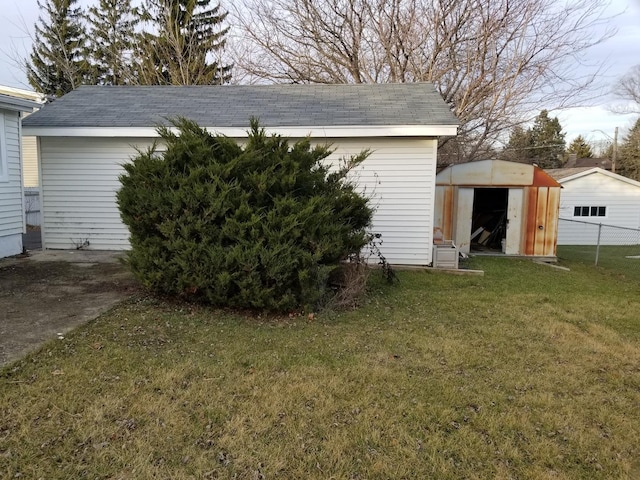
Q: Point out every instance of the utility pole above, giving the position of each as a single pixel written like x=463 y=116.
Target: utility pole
x=614 y=154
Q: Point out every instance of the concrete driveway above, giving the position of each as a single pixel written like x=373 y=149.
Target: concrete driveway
x=51 y=292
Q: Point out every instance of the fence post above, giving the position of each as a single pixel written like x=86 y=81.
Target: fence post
x=598 y=245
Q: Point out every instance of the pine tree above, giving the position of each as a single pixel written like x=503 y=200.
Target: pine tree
x=547 y=141
x=111 y=41
x=580 y=147
x=189 y=35
x=57 y=63
x=519 y=147
x=628 y=162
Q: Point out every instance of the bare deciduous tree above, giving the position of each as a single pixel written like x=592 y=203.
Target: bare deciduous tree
x=627 y=88
x=494 y=61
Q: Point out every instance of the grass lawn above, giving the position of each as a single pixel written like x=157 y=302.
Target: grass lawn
x=612 y=258
x=527 y=372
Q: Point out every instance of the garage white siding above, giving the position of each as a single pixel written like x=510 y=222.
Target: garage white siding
x=621 y=199
x=80 y=180
x=78 y=191
x=11 y=212
x=400 y=175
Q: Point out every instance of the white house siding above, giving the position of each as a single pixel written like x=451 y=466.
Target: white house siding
x=30 y=162
x=623 y=209
x=11 y=216
x=80 y=179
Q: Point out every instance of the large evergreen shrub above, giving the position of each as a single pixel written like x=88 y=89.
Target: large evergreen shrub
x=256 y=226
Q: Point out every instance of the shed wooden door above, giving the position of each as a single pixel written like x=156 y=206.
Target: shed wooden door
x=514 y=221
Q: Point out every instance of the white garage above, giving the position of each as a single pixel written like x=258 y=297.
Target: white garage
x=85 y=137
x=593 y=196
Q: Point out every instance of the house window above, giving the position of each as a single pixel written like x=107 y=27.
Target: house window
x=4 y=168
x=589 y=211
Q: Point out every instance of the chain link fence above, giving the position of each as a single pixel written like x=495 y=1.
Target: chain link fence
x=600 y=244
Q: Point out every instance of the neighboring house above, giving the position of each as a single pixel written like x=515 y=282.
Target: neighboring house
x=86 y=136
x=494 y=206
x=12 y=221
x=30 y=175
x=596 y=196
x=591 y=162
x=29 y=145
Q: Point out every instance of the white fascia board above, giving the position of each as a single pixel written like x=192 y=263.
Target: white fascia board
x=576 y=175
x=21 y=93
x=241 y=132
x=603 y=172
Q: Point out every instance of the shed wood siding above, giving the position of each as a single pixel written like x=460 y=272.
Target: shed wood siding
x=80 y=180
x=11 y=215
x=622 y=200
x=542 y=225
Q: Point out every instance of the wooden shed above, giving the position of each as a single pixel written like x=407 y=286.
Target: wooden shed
x=493 y=206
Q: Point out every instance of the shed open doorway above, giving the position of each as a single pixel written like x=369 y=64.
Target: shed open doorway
x=489 y=219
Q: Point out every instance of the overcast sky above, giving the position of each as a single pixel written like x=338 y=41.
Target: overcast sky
x=620 y=53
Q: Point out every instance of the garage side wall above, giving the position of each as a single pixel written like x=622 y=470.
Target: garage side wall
x=399 y=175
x=80 y=181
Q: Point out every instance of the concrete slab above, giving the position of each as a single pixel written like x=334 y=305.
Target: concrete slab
x=49 y=293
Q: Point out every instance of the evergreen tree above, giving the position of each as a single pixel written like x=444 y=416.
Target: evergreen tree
x=580 y=147
x=628 y=162
x=186 y=39
x=57 y=64
x=262 y=225
x=111 y=41
x=547 y=141
x=519 y=147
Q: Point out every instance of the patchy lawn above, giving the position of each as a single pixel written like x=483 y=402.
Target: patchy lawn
x=527 y=372
x=618 y=260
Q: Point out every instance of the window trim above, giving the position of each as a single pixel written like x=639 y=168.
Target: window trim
x=4 y=161
x=581 y=211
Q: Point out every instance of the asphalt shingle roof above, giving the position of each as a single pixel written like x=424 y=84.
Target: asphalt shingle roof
x=233 y=105
x=560 y=173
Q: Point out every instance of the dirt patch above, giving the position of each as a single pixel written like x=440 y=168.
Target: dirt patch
x=47 y=295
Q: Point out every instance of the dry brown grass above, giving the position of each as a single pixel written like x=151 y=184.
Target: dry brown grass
x=527 y=372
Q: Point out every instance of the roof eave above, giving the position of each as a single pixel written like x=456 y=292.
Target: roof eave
x=17 y=104
x=607 y=173
x=333 y=131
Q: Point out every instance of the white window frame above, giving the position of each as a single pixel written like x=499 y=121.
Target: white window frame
x=4 y=161
x=591 y=207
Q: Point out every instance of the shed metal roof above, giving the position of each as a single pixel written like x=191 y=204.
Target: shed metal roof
x=492 y=173
x=406 y=104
